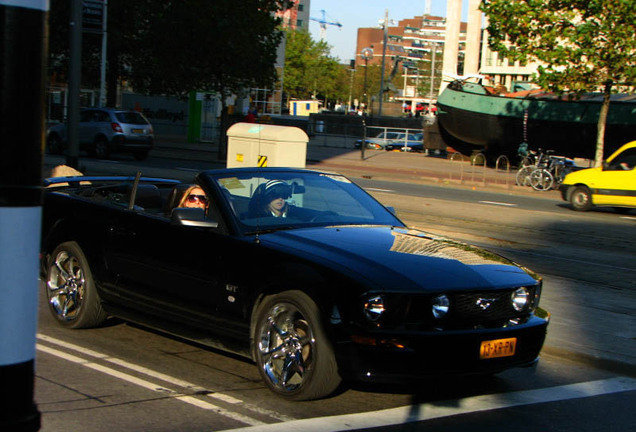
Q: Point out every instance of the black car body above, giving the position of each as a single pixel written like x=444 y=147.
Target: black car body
x=337 y=289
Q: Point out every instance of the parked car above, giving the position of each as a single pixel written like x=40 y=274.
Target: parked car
x=339 y=288
x=380 y=140
x=407 y=143
x=611 y=185
x=103 y=131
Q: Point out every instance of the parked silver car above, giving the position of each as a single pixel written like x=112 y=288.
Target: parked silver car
x=103 y=131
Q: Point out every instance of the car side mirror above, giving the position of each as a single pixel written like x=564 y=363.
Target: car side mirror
x=605 y=166
x=192 y=217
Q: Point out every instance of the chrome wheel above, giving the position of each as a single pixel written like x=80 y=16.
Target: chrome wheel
x=291 y=349
x=66 y=286
x=70 y=290
x=286 y=346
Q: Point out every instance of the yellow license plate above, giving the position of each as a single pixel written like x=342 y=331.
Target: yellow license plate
x=497 y=348
x=139 y=131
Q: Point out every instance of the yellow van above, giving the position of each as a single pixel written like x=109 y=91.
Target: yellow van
x=612 y=185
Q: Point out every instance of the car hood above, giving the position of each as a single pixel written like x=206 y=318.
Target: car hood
x=400 y=259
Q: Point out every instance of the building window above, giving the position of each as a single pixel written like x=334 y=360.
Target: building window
x=299 y=23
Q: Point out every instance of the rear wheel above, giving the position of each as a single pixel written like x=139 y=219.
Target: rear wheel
x=70 y=289
x=100 y=148
x=581 y=198
x=541 y=180
x=523 y=175
x=293 y=354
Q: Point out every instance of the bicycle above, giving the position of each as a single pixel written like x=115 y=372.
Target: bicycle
x=552 y=174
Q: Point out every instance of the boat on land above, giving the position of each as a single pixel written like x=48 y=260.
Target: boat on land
x=474 y=117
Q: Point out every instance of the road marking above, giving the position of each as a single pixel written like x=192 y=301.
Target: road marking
x=423 y=412
x=148 y=385
x=379 y=190
x=154 y=374
x=498 y=203
x=628 y=217
x=188 y=169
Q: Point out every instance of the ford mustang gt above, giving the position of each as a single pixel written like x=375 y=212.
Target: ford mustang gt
x=301 y=271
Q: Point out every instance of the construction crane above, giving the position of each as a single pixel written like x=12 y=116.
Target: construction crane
x=323 y=24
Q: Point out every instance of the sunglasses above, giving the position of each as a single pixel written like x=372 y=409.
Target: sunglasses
x=197 y=198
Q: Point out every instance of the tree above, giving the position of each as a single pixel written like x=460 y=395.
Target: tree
x=175 y=47
x=310 y=70
x=582 y=45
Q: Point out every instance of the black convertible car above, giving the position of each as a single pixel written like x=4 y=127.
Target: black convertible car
x=301 y=271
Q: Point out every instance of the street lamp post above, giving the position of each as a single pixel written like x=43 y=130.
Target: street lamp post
x=385 y=26
x=366 y=54
x=430 y=97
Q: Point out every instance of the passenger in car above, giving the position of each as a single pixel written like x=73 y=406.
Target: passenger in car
x=194 y=197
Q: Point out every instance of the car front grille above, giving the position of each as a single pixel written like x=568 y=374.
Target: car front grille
x=468 y=310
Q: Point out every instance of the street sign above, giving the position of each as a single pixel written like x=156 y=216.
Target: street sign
x=92 y=16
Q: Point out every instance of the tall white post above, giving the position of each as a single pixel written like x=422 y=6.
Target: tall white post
x=451 y=40
x=473 y=37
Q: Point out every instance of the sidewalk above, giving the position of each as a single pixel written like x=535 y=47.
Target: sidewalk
x=377 y=164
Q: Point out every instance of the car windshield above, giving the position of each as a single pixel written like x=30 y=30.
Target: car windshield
x=266 y=201
x=131 y=117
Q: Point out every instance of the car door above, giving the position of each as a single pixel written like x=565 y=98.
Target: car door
x=86 y=126
x=177 y=272
x=616 y=183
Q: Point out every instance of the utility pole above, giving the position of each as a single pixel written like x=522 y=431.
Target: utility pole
x=385 y=26
x=23 y=52
x=74 y=82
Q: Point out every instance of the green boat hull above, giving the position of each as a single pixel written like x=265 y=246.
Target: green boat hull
x=470 y=118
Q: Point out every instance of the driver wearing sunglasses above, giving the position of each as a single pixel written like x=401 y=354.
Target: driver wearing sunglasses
x=194 y=198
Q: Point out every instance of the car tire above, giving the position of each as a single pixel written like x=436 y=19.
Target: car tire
x=581 y=198
x=291 y=349
x=72 y=297
x=54 y=144
x=100 y=148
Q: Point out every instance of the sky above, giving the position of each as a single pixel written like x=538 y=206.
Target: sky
x=353 y=14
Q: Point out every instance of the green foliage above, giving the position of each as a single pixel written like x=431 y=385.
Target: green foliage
x=582 y=44
x=175 y=47
x=310 y=70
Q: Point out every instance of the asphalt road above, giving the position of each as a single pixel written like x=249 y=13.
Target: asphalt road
x=122 y=377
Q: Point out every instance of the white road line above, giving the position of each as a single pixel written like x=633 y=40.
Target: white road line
x=379 y=190
x=188 y=169
x=149 y=385
x=163 y=377
x=498 y=203
x=628 y=217
x=423 y=412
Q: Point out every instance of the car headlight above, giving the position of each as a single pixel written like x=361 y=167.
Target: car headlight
x=374 y=308
x=520 y=299
x=440 y=306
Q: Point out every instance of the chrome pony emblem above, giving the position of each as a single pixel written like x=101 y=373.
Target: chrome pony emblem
x=484 y=303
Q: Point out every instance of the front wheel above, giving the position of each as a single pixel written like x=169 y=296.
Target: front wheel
x=291 y=349
x=581 y=198
x=541 y=180
x=70 y=289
